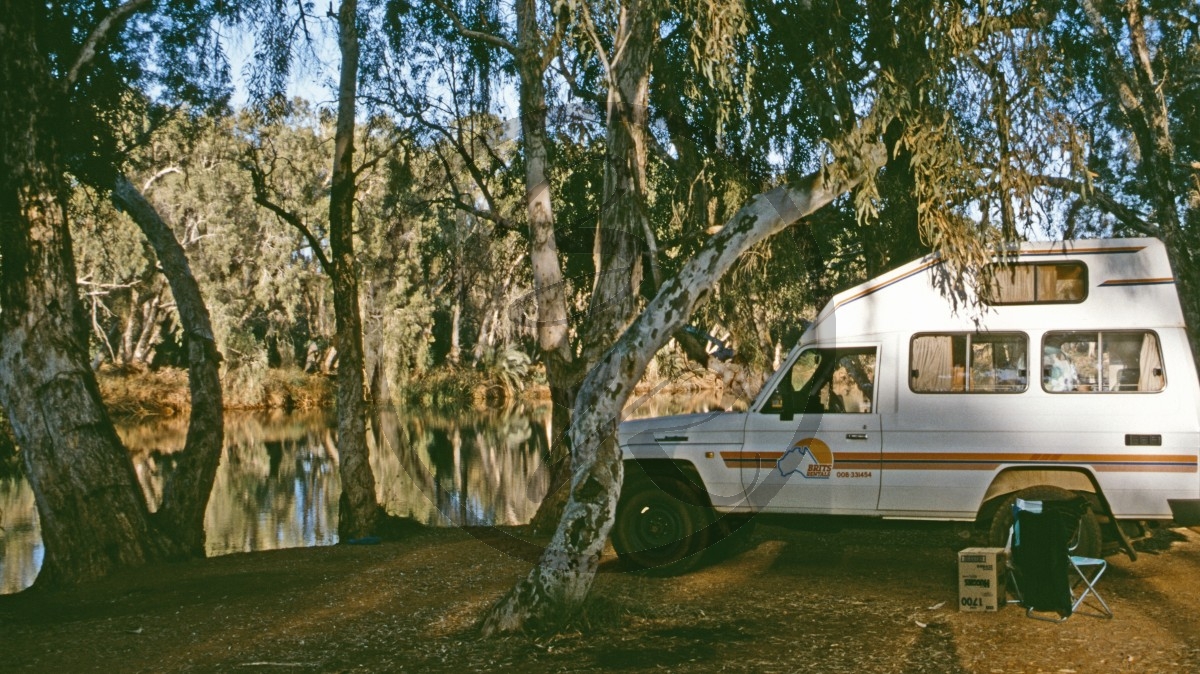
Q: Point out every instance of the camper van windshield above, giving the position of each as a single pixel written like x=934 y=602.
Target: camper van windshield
x=827 y=380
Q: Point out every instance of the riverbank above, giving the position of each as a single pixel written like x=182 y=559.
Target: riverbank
x=869 y=600
x=139 y=393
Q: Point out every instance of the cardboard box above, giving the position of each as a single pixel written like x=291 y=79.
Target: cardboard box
x=982 y=574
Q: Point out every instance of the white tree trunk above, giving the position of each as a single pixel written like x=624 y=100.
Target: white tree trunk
x=558 y=585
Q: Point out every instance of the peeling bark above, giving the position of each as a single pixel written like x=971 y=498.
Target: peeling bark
x=558 y=585
x=619 y=245
x=624 y=220
x=93 y=516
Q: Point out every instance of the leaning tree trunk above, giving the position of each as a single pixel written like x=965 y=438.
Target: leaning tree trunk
x=359 y=509
x=558 y=585
x=187 y=489
x=93 y=516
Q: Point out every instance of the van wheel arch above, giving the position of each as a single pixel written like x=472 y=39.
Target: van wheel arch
x=1091 y=539
x=664 y=472
x=1012 y=480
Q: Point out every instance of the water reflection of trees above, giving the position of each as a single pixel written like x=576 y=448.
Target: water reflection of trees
x=20 y=539
x=477 y=468
x=278 y=486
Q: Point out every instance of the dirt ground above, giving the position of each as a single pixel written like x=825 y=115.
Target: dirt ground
x=862 y=600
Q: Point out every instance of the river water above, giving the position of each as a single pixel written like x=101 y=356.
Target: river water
x=277 y=485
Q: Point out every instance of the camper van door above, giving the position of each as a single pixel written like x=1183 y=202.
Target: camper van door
x=815 y=443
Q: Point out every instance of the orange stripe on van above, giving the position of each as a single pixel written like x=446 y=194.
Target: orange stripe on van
x=739 y=459
x=841 y=459
x=1106 y=462
x=880 y=286
x=1167 y=463
x=1079 y=250
x=1137 y=282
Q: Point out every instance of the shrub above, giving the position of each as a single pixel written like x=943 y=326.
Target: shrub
x=144 y=393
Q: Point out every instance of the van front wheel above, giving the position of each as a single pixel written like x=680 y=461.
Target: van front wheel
x=1090 y=539
x=661 y=525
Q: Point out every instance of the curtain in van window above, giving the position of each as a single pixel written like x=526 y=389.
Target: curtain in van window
x=1151 y=372
x=1013 y=285
x=1047 y=282
x=931 y=363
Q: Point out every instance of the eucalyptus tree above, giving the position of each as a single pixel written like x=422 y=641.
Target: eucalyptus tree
x=526 y=46
x=186 y=491
x=622 y=36
x=71 y=69
x=359 y=511
x=331 y=238
x=533 y=38
x=1132 y=71
x=948 y=186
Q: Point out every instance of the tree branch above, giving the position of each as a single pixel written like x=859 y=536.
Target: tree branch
x=499 y=221
x=1107 y=43
x=88 y=52
x=371 y=163
x=463 y=152
x=572 y=82
x=589 y=27
x=552 y=47
x=1128 y=216
x=461 y=27
x=150 y=182
x=262 y=198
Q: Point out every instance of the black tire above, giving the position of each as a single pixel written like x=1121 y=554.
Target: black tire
x=661 y=525
x=1091 y=541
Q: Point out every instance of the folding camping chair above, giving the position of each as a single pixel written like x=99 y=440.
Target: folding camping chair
x=1043 y=536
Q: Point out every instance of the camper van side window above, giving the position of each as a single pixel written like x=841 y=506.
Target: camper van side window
x=1102 y=362
x=1039 y=283
x=994 y=362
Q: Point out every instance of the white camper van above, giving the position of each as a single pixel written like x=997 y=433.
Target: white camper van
x=1071 y=373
